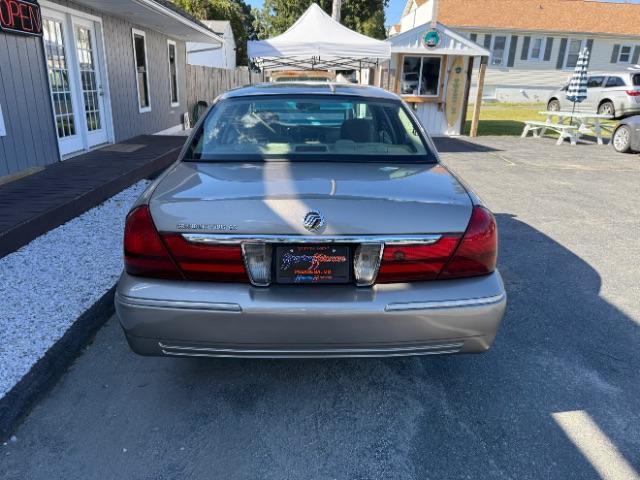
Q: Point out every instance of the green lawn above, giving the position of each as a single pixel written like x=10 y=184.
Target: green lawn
x=505 y=118
x=508 y=118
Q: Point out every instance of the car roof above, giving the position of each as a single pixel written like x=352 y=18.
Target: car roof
x=617 y=73
x=310 y=88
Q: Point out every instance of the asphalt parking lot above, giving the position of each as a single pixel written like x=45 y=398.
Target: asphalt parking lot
x=556 y=398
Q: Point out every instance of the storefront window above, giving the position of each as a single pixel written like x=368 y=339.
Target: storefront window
x=420 y=76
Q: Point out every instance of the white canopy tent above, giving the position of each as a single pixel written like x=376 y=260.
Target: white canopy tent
x=317 y=42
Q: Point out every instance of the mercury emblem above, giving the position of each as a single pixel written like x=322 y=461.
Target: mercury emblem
x=314 y=221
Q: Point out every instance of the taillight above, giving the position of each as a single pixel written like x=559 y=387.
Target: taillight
x=477 y=253
x=411 y=263
x=450 y=257
x=170 y=256
x=144 y=253
x=633 y=93
x=215 y=263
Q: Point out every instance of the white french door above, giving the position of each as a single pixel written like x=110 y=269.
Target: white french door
x=76 y=81
x=91 y=83
x=61 y=74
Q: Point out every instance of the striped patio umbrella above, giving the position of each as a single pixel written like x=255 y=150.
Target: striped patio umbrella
x=577 y=91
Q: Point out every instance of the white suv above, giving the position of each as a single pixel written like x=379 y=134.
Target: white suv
x=609 y=93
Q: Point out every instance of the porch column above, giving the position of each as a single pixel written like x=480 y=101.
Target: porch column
x=478 y=104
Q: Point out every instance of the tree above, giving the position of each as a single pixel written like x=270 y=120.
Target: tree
x=237 y=12
x=363 y=16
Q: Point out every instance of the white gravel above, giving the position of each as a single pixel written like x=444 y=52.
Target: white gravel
x=46 y=285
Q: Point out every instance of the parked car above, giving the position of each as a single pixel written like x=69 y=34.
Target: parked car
x=612 y=93
x=309 y=220
x=626 y=136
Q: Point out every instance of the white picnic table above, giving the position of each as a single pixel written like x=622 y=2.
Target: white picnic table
x=570 y=125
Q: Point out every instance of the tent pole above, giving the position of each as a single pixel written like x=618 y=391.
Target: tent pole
x=335 y=10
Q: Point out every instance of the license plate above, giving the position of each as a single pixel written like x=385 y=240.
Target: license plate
x=315 y=264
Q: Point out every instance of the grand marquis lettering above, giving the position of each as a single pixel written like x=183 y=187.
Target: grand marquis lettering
x=207 y=226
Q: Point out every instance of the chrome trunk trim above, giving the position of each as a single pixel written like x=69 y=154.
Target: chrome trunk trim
x=216 y=238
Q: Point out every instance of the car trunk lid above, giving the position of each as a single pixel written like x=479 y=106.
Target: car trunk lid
x=274 y=197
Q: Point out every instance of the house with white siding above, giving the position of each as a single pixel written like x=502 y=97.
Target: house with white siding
x=534 y=44
x=211 y=54
x=76 y=75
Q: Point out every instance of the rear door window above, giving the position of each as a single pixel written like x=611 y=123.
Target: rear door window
x=636 y=80
x=615 y=82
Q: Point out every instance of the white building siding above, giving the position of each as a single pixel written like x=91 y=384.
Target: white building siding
x=208 y=55
x=415 y=17
x=531 y=80
x=214 y=55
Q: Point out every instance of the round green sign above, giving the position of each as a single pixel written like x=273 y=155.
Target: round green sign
x=431 y=39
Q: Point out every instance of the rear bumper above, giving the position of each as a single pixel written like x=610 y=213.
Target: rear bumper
x=235 y=320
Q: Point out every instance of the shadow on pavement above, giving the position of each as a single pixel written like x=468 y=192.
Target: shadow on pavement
x=561 y=348
x=458 y=145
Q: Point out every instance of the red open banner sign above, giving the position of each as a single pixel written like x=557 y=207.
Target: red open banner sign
x=20 y=16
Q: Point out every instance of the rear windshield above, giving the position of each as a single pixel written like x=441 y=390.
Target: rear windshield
x=318 y=127
x=636 y=79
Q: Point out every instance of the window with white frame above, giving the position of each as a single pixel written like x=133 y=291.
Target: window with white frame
x=498 y=50
x=142 y=70
x=421 y=76
x=536 y=48
x=173 y=72
x=625 y=54
x=573 y=52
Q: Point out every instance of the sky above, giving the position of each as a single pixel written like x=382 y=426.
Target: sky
x=392 y=12
x=394 y=9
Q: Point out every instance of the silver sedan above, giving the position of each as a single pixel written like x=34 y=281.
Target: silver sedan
x=309 y=221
